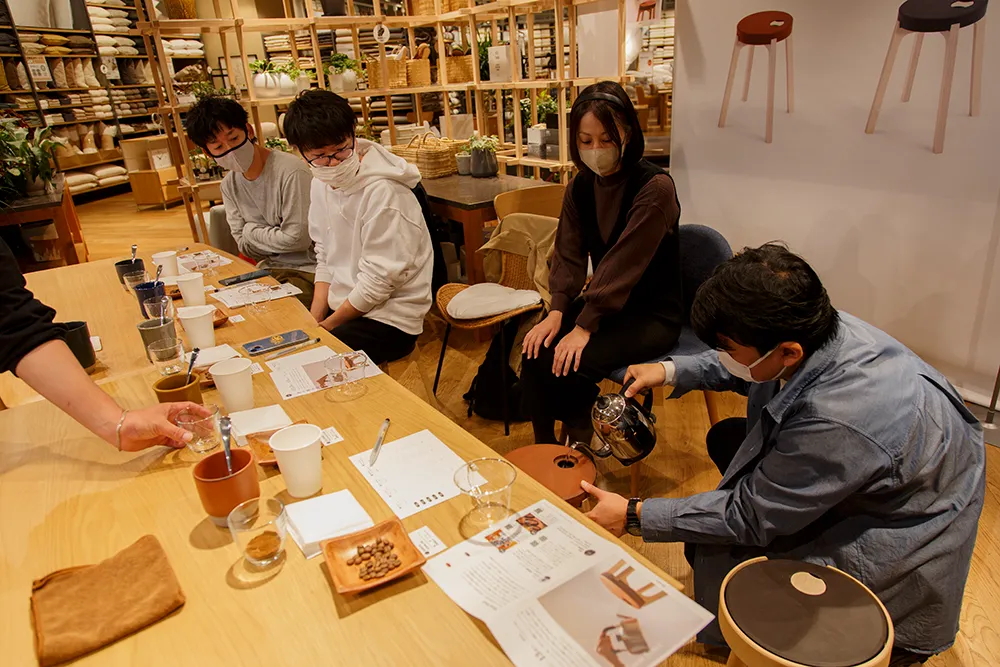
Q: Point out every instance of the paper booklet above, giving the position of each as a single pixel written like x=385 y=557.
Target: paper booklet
x=305 y=372
x=235 y=297
x=556 y=594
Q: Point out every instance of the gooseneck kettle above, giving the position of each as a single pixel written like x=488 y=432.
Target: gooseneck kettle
x=624 y=426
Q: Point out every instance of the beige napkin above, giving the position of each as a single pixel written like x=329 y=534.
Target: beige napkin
x=81 y=609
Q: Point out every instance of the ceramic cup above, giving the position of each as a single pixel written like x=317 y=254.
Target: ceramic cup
x=148 y=290
x=300 y=459
x=192 y=286
x=197 y=321
x=234 y=380
x=78 y=340
x=221 y=491
x=168 y=260
x=154 y=330
x=175 y=388
x=128 y=266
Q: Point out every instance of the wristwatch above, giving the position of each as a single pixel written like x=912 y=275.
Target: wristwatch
x=632 y=524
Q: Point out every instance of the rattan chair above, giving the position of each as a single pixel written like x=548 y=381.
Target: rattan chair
x=513 y=274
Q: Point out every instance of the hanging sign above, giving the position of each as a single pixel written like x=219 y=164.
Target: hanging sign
x=381 y=33
x=38 y=68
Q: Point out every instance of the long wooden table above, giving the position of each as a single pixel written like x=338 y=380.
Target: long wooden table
x=67 y=498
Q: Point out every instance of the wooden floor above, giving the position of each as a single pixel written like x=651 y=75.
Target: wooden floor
x=678 y=466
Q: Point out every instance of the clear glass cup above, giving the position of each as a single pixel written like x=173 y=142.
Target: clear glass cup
x=256 y=296
x=205 y=429
x=259 y=528
x=135 y=278
x=488 y=482
x=344 y=373
x=159 y=308
x=168 y=356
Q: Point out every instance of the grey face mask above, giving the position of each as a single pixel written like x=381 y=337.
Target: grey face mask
x=238 y=159
x=601 y=161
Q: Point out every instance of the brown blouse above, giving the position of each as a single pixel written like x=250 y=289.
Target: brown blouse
x=652 y=216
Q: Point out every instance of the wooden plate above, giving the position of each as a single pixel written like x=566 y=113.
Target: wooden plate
x=173 y=291
x=258 y=442
x=219 y=318
x=339 y=549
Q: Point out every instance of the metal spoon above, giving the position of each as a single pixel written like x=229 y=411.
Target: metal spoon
x=194 y=355
x=134 y=249
x=159 y=270
x=224 y=428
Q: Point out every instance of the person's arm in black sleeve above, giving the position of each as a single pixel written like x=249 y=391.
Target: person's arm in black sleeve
x=25 y=322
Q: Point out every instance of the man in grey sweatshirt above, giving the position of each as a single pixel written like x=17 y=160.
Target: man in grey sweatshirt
x=266 y=193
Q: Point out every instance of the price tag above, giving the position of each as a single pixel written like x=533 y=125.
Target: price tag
x=38 y=68
x=381 y=33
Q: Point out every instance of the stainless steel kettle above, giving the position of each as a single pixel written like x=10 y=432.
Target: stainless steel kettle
x=624 y=426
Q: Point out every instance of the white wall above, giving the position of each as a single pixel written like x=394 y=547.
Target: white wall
x=902 y=238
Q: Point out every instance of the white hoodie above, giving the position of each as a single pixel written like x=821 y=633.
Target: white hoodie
x=372 y=244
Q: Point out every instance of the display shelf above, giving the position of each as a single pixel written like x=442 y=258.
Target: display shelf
x=136 y=115
x=61 y=31
x=125 y=8
x=178 y=27
x=72 y=164
x=99 y=188
x=68 y=90
x=61 y=123
x=143 y=56
x=126 y=86
x=19 y=91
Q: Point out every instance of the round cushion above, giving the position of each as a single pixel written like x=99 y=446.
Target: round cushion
x=559 y=469
x=806 y=613
x=939 y=15
x=762 y=27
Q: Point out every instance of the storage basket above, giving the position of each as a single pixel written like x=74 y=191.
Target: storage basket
x=396 y=70
x=418 y=73
x=435 y=158
x=180 y=9
x=459 y=69
x=453 y=5
x=423 y=7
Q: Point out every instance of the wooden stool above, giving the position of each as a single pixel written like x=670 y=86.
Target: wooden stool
x=646 y=7
x=786 y=613
x=946 y=17
x=762 y=29
x=559 y=469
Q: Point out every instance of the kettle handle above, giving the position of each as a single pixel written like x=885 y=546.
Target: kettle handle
x=648 y=413
x=628 y=383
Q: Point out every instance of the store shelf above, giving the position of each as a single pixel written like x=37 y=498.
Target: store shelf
x=119 y=33
x=178 y=26
x=143 y=56
x=24 y=91
x=68 y=90
x=78 y=121
x=61 y=31
x=126 y=86
x=136 y=115
x=100 y=187
x=126 y=8
x=90 y=163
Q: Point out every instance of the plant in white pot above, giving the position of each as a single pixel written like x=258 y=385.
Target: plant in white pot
x=265 y=80
x=344 y=72
x=288 y=74
x=484 y=156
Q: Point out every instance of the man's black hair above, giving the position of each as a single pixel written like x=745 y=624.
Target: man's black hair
x=211 y=114
x=318 y=118
x=609 y=102
x=762 y=297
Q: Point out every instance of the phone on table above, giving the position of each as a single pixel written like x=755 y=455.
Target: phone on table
x=275 y=342
x=244 y=277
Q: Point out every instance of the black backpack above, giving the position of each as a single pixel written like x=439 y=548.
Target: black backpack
x=439 y=233
x=485 y=395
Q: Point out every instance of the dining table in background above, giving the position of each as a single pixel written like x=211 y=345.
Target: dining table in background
x=56 y=208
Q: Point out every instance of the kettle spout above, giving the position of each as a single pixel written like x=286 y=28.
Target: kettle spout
x=601 y=453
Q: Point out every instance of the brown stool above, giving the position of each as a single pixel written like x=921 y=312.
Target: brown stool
x=646 y=7
x=616 y=581
x=786 y=613
x=559 y=469
x=762 y=29
x=947 y=18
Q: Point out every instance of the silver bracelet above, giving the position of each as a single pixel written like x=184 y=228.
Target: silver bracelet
x=118 y=430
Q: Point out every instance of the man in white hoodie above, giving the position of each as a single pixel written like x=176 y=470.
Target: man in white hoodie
x=373 y=249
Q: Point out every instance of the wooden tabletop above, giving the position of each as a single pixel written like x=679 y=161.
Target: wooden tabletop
x=67 y=498
x=471 y=193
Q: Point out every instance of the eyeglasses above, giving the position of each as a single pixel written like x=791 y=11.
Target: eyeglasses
x=333 y=158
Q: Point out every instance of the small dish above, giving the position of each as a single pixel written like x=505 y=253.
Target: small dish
x=173 y=291
x=346 y=578
x=262 y=451
x=219 y=318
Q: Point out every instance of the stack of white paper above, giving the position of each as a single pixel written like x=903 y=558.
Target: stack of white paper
x=317 y=519
x=258 y=419
x=212 y=355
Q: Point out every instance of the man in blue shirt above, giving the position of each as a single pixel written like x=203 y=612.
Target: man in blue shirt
x=854 y=452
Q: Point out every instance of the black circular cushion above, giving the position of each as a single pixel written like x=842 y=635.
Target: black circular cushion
x=940 y=15
x=757 y=29
x=842 y=627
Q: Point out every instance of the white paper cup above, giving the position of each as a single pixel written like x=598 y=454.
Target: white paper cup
x=168 y=260
x=300 y=460
x=197 y=321
x=192 y=286
x=234 y=380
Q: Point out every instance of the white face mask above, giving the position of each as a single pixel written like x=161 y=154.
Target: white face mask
x=238 y=159
x=339 y=176
x=601 y=161
x=742 y=371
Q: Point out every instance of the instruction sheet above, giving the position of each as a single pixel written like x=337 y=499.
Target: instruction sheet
x=306 y=372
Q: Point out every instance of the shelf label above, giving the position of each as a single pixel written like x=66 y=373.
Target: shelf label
x=38 y=68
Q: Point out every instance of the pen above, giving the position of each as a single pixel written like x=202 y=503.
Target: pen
x=293 y=348
x=378 y=441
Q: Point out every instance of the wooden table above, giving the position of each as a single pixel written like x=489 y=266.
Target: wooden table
x=56 y=207
x=67 y=498
x=469 y=201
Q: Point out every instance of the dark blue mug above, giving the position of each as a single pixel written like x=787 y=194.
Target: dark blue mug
x=128 y=266
x=148 y=290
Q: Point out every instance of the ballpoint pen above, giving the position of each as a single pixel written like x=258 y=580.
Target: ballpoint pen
x=378 y=441
x=293 y=348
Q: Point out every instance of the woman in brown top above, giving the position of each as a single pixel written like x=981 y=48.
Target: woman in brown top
x=622 y=213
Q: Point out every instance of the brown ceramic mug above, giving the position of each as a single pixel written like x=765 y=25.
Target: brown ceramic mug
x=220 y=491
x=174 y=389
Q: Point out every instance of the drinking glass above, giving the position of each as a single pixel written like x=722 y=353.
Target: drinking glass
x=159 y=308
x=135 y=278
x=168 y=355
x=488 y=482
x=259 y=528
x=205 y=429
x=256 y=296
x=344 y=373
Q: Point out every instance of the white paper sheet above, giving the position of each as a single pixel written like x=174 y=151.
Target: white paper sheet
x=212 y=355
x=412 y=473
x=305 y=372
x=258 y=419
x=96 y=342
x=189 y=262
x=314 y=520
x=234 y=298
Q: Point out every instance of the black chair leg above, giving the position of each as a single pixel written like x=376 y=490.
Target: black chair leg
x=444 y=346
x=503 y=376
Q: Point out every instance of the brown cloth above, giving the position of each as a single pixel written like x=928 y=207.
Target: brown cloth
x=82 y=609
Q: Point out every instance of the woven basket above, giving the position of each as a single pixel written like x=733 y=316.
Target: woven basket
x=423 y=7
x=459 y=69
x=396 y=70
x=180 y=9
x=453 y=5
x=418 y=73
x=435 y=158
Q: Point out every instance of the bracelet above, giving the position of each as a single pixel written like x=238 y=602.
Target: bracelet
x=118 y=430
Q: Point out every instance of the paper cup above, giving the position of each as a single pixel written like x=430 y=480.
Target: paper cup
x=192 y=286
x=168 y=260
x=234 y=380
x=297 y=449
x=197 y=321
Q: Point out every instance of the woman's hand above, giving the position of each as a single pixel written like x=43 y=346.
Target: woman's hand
x=569 y=350
x=154 y=425
x=542 y=333
x=645 y=376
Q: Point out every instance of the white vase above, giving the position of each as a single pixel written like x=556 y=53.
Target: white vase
x=266 y=85
x=302 y=83
x=350 y=80
x=286 y=87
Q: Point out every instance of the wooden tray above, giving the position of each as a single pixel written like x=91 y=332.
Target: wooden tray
x=219 y=318
x=339 y=549
x=173 y=291
x=262 y=451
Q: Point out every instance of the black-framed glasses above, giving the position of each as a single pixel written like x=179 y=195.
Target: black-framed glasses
x=324 y=160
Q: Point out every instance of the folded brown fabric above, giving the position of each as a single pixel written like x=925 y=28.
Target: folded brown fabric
x=82 y=609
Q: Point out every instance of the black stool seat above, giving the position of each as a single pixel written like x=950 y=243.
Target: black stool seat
x=841 y=627
x=940 y=15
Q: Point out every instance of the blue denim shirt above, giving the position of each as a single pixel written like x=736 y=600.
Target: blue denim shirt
x=866 y=460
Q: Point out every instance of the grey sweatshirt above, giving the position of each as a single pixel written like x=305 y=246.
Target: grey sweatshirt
x=269 y=215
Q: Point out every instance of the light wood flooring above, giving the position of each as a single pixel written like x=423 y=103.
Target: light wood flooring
x=678 y=466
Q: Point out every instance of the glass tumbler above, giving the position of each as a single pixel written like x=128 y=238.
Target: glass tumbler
x=168 y=355
x=344 y=373
x=256 y=296
x=159 y=308
x=488 y=482
x=205 y=429
x=135 y=278
x=259 y=528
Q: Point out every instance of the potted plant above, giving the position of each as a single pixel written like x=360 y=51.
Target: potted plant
x=265 y=79
x=25 y=159
x=484 y=156
x=344 y=73
x=288 y=74
x=464 y=160
x=277 y=144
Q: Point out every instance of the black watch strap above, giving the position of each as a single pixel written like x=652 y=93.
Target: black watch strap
x=632 y=524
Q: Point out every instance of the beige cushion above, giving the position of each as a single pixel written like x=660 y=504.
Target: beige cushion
x=79 y=178
x=106 y=171
x=485 y=299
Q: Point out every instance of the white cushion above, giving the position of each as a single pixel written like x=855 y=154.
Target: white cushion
x=121 y=21
x=106 y=40
x=485 y=299
x=100 y=21
x=122 y=41
x=79 y=178
x=117 y=13
x=106 y=171
x=112 y=180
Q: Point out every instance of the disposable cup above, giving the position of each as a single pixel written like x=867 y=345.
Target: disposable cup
x=300 y=460
x=234 y=380
x=197 y=321
x=168 y=260
x=192 y=286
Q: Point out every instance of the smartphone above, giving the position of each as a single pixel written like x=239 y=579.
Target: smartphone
x=275 y=342
x=244 y=277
